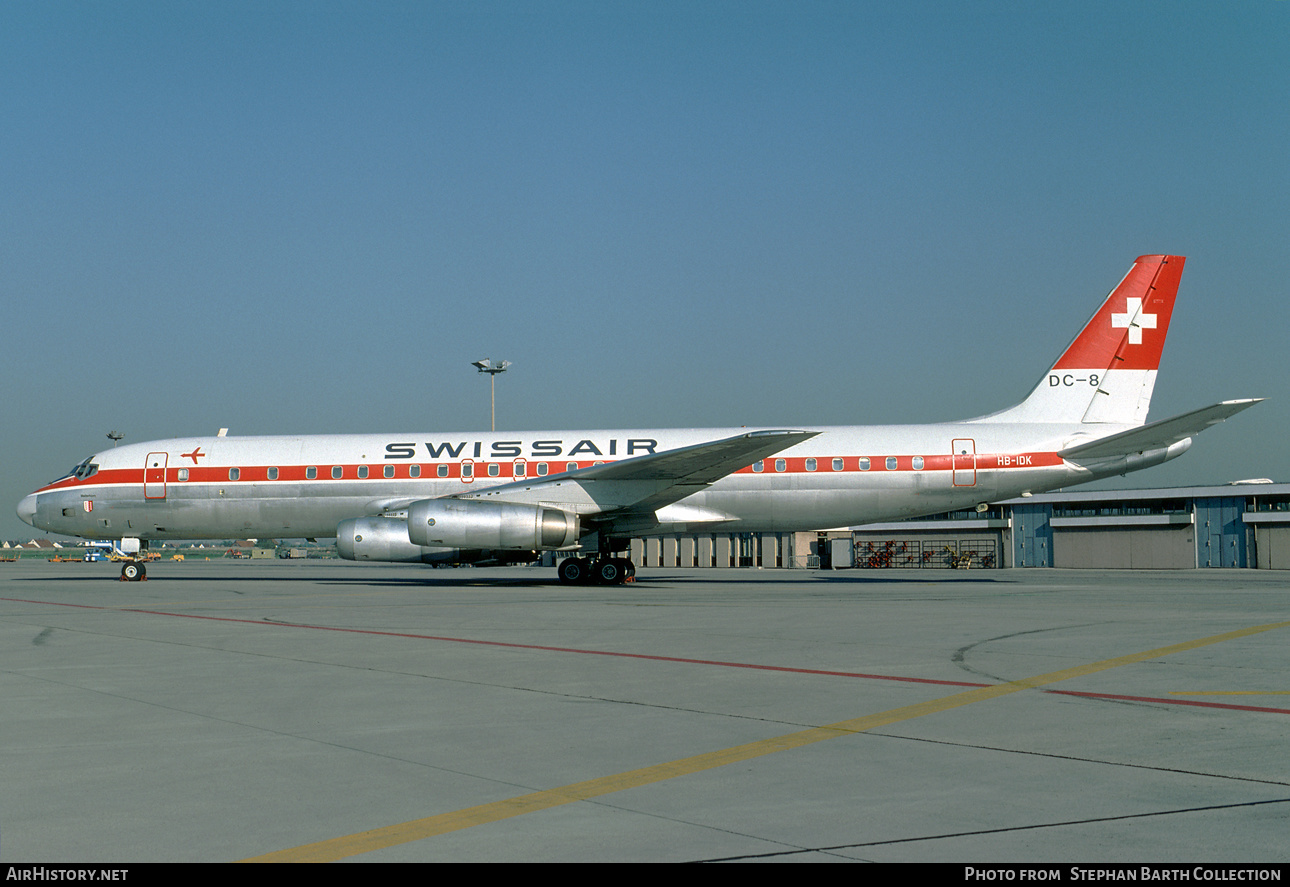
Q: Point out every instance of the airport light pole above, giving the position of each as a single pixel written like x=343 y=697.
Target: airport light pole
x=492 y=367
x=114 y=436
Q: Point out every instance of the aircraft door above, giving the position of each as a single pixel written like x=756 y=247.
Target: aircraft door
x=154 y=476
x=964 y=459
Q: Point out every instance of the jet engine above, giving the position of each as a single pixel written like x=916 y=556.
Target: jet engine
x=377 y=539
x=386 y=539
x=469 y=523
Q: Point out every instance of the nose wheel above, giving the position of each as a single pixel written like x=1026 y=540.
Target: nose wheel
x=133 y=571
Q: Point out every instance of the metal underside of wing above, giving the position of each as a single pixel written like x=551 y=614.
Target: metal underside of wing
x=632 y=490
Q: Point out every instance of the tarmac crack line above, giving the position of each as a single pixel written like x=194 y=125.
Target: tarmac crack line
x=401 y=833
x=960 y=655
x=1100 y=761
x=834 y=848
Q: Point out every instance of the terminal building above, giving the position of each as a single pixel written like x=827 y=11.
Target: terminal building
x=1245 y=524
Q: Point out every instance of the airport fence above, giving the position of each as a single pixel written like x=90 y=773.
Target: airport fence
x=915 y=554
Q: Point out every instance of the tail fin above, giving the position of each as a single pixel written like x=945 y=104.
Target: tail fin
x=1107 y=374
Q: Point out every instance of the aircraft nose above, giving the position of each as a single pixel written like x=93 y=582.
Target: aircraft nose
x=27 y=509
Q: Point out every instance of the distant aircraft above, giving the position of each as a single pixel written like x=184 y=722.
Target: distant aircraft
x=471 y=497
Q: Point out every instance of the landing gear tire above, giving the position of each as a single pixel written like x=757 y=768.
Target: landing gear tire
x=573 y=571
x=133 y=572
x=581 y=571
x=614 y=571
x=610 y=572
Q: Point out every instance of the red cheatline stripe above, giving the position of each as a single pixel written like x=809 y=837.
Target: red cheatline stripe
x=678 y=659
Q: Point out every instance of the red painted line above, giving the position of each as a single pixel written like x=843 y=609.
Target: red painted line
x=678 y=659
x=1228 y=705
x=430 y=637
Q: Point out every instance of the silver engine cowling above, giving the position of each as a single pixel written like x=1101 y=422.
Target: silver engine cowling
x=385 y=539
x=377 y=539
x=467 y=523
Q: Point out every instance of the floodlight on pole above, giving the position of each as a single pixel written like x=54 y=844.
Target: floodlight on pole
x=492 y=367
x=114 y=436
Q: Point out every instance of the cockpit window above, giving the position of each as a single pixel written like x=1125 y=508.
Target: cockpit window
x=88 y=468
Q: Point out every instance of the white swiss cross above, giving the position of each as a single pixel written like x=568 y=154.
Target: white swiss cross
x=1134 y=319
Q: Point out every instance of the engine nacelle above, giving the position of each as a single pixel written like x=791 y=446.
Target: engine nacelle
x=377 y=539
x=386 y=539
x=469 y=523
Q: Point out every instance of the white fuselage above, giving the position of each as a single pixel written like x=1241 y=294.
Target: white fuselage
x=222 y=487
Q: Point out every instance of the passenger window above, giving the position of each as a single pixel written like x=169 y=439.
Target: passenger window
x=337 y=472
x=780 y=464
x=389 y=471
x=571 y=466
x=918 y=463
x=362 y=471
x=494 y=469
x=837 y=464
x=234 y=473
x=864 y=463
x=467 y=469
x=414 y=471
x=891 y=463
x=442 y=471
x=541 y=469
x=810 y=464
x=759 y=466
x=311 y=472
x=273 y=474
x=183 y=474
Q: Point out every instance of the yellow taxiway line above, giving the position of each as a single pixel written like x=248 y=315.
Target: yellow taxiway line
x=392 y=835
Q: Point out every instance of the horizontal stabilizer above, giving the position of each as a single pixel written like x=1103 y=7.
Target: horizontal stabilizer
x=1159 y=435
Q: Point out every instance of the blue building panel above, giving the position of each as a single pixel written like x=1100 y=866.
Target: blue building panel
x=1220 y=532
x=1032 y=535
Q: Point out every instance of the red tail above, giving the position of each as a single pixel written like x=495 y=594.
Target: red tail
x=1107 y=374
x=1128 y=331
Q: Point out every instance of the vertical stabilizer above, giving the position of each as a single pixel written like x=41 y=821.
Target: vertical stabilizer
x=1107 y=374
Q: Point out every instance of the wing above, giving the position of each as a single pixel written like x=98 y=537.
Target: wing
x=1158 y=435
x=637 y=487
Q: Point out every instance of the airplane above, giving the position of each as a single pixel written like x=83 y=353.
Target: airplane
x=499 y=497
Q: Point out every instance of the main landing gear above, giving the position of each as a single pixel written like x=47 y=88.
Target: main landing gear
x=133 y=571
x=596 y=571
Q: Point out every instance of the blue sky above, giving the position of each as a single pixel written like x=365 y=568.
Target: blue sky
x=311 y=217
